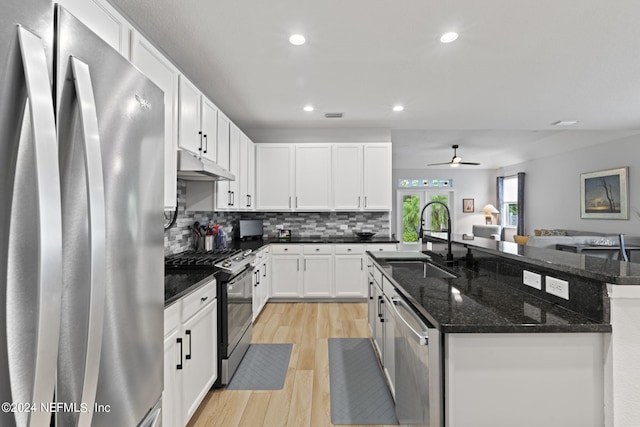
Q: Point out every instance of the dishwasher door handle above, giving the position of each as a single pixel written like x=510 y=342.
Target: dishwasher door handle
x=423 y=337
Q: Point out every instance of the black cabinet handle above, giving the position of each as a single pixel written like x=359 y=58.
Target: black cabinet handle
x=188 y=356
x=206 y=143
x=229 y=194
x=203 y=299
x=179 y=341
x=265 y=271
x=200 y=148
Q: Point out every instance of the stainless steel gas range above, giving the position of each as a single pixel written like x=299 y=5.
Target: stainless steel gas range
x=235 y=293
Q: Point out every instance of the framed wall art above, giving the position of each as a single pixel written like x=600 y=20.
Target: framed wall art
x=468 y=205
x=605 y=194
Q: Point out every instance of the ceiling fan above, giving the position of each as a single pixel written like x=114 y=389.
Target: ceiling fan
x=455 y=160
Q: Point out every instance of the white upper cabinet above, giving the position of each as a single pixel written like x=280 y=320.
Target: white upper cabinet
x=347 y=162
x=313 y=177
x=209 y=129
x=222 y=142
x=235 y=136
x=190 y=134
x=246 y=199
x=275 y=171
x=324 y=177
x=377 y=177
x=251 y=175
x=164 y=74
x=103 y=20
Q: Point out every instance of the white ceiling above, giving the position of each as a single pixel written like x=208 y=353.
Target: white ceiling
x=517 y=67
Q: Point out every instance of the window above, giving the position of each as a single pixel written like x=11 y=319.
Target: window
x=510 y=206
x=410 y=204
x=410 y=218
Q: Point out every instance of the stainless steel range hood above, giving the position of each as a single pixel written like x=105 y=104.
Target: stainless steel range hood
x=190 y=168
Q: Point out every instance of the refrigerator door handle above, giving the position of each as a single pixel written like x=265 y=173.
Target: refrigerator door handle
x=97 y=228
x=33 y=301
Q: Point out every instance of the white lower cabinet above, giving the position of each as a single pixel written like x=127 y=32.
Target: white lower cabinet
x=286 y=278
x=261 y=285
x=321 y=270
x=317 y=275
x=190 y=351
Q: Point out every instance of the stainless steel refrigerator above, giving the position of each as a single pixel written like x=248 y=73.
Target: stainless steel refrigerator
x=81 y=235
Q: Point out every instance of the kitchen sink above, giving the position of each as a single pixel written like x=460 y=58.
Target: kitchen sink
x=423 y=268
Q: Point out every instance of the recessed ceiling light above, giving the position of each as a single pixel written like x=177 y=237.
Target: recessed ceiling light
x=297 y=39
x=448 y=37
x=308 y=108
x=565 y=123
x=398 y=108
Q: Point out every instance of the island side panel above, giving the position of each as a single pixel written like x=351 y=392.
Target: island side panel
x=547 y=379
x=622 y=363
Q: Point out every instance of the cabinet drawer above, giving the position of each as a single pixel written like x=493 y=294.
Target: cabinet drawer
x=198 y=299
x=172 y=317
x=349 y=249
x=286 y=249
x=381 y=248
x=318 y=249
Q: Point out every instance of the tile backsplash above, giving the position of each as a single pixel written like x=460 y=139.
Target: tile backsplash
x=178 y=237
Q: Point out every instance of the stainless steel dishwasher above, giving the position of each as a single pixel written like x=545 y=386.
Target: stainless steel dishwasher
x=418 y=369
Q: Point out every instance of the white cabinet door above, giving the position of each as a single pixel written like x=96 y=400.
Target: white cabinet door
x=261 y=288
x=222 y=140
x=378 y=337
x=164 y=74
x=274 y=176
x=317 y=276
x=103 y=20
x=223 y=194
x=377 y=176
x=347 y=176
x=313 y=177
x=171 y=396
x=209 y=129
x=234 y=166
x=189 y=134
x=286 y=276
x=243 y=190
x=349 y=276
x=200 y=355
x=251 y=175
x=389 y=344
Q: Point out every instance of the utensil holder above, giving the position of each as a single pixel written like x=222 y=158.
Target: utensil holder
x=198 y=242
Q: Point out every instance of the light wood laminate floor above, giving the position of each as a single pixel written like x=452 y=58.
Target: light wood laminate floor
x=304 y=400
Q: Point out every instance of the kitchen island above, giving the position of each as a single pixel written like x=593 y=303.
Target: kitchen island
x=535 y=352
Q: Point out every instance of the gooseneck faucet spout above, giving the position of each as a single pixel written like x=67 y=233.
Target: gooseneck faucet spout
x=421 y=234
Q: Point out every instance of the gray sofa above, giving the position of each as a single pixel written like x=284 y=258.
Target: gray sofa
x=567 y=237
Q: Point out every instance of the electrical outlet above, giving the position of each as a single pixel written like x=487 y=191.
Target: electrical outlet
x=344 y=227
x=557 y=287
x=429 y=246
x=532 y=279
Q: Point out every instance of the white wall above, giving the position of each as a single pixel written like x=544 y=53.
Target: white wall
x=468 y=183
x=552 y=187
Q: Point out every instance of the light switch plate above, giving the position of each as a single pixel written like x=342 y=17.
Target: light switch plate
x=532 y=279
x=557 y=287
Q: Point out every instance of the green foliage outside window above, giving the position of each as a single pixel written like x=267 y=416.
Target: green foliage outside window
x=438 y=213
x=410 y=218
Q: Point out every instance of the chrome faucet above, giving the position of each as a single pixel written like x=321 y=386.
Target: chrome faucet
x=421 y=233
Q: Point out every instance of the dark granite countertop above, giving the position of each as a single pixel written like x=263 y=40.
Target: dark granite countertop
x=257 y=244
x=477 y=302
x=180 y=282
x=584 y=265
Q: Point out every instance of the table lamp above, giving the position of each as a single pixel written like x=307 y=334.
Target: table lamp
x=489 y=209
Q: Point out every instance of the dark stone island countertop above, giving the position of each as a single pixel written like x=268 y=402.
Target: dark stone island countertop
x=482 y=302
x=590 y=267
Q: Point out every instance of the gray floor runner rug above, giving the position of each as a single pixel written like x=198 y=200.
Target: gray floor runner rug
x=264 y=367
x=358 y=390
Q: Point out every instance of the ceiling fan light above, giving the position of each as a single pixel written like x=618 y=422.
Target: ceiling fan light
x=456 y=159
x=455 y=165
